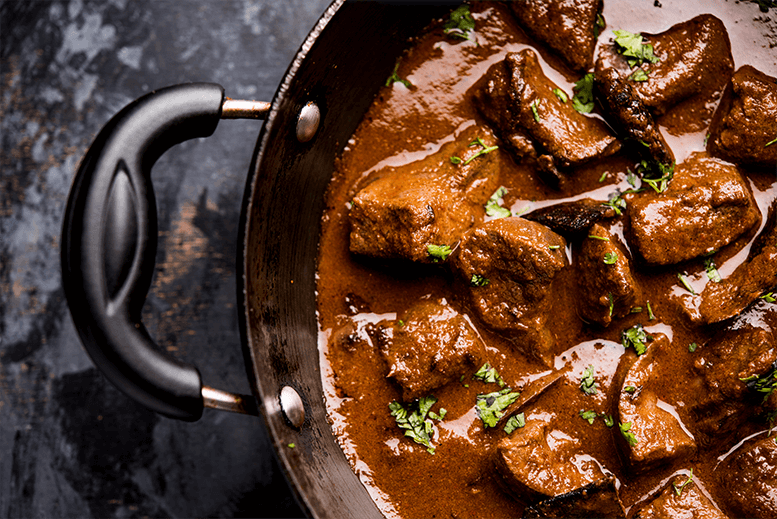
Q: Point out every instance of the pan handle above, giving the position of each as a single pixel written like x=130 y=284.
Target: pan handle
x=109 y=242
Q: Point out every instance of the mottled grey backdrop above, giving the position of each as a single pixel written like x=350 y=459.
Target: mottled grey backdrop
x=70 y=444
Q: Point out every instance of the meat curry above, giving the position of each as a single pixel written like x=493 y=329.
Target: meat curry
x=547 y=270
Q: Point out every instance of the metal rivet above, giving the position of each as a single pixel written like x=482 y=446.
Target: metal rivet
x=307 y=122
x=292 y=407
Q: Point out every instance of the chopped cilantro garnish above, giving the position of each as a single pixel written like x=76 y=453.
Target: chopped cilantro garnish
x=455 y=160
x=636 y=338
x=554 y=247
x=583 y=100
x=440 y=416
x=608 y=420
x=651 y=315
x=587 y=382
x=490 y=407
x=599 y=25
x=611 y=302
x=631 y=46
x=460 y=24
x=631 y=178
x=488 y=374
x=764 y=383
x=588 y=415
x=648 y=169
x=616 y=202
x=679 y=488
x=604 y=176
x=394 y=78
x=712 y=272
x=515 y=422
x=602 y=238
x=770 y=142
x=610 y=258
x=534 y=111
x=630 y=389
x=494 y=207
x=627 y=434
x=438 y=252
x=769 y=297
x=414 y=421
x=692 y=347
x=561 y=94
x=636 y=310
x=485 y=150
x=478 y=281
x=686 y=284
x=291 y=445
x=639 y=76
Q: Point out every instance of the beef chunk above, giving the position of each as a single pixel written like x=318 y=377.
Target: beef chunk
x=629 y=114
x=607 y=287
x=537 y=462
x=744 y=122
x=519 y=259
x=432 y=201
x=707 y=205
x=724 y=400
x=691 y=503
x=350 y=346
x=748 y=479
x=518 y=99
x=694 y=60
x=430 y=345
x=653 y=433
x=597 y=499
x=569 y=28
x=572 y=219
x=728 y=298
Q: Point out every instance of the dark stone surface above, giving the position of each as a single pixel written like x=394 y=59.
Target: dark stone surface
x=70 y=444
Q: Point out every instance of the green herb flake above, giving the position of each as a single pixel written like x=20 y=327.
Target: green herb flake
x=478 y=281
x=394 y=78
x=770 y=142
x=611 y=302
x=627 y=433
x=534 y=111
x=438 y=252
x=636 y=310
x=587 y=381
x=631 y=46
x=762 y=384
x=456 y=160
x=516 y=421
x=610 y=258
x=602 y=238
x=291 y=445
x=494 y=205
x=651 y=315
x=769 y=297
x=639 y=76
x=686 y=284
x=490 y=407
x=588 y=415
x=679 y=488
x=603 y=177
x=608 y=420
x=483 y=151
x=554 y=247
x=692 y=347
x=636 y=338
x=616 y=201
x=630 y=389
x=413 y=419
x=489 y=375
x=460 y=24
x=599 y=25
x=631 y=178
x=712 y=271
x=650 y=169
x=561 y=94
x=583 y=100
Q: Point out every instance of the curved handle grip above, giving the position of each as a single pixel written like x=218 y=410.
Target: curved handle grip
x=109 y=243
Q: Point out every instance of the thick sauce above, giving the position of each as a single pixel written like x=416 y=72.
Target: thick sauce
x=407 y=124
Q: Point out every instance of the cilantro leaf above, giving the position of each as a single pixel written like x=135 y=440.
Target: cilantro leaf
x=764 y=383
x=692 y=347
x=587 y=382
x=679 y=488
x=639 y=76
x=631 y=46
x=563 y=96
x=534 y=111
x=490 y=407
x=610 y=258
x=636 y=338
x=394 y=78
x=599 y=25
x=516 y=421
x=588 y=415
x=478 y=281
x=413 y=419
x=686 y=284
x=485 y=150
x=608 y=420
x=611 y=303
x=488 y=374
x=651 y=315
x=650 y=169
x=460 y=24
x=494 y=207
x=616 y=202
x=627 y=434
x=583 y=100
x=768 y=297
x=438 y=252
x=770 y=143
x=712 y=272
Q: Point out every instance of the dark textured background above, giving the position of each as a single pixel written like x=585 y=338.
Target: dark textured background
x=70 y=444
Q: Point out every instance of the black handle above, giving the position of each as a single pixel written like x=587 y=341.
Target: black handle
x=109 y=242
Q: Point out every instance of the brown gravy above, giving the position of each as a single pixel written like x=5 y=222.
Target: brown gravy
x=404 y=125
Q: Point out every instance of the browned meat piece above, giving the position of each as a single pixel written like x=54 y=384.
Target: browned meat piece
x=691 y=503
x=518 y=99
x=519 y=259
x=350 y=346
x=533 y=470
x=652 y=432
x=607 y=287
x=567 y=27
x=748 y=479
x=405 y=209
x=572 y=219
x=744 y=122
x=430 y=345
x=725 y=401
x=694 y=60
x=724 y=300
x=629 y=114
x=707 y=205
x=597 y=499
